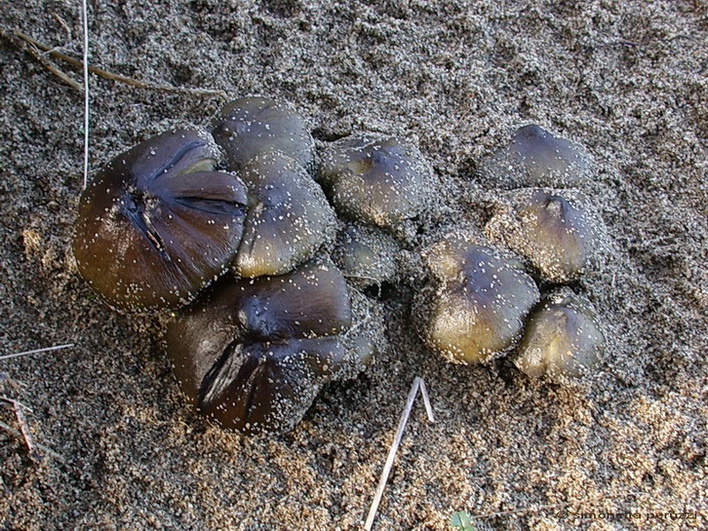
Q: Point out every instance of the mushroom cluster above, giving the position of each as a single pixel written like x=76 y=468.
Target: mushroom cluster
x=228 y=228
x=260 y=253
x=481 y=304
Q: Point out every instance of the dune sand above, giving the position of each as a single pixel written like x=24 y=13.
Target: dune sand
x=624 y=449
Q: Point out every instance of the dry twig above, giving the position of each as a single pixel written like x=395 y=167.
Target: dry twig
x=32 y=49
x=12 y=34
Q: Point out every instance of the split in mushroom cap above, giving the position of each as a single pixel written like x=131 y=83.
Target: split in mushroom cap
x=562 y=338
x=158 y=223
x=376 y=180
x=288 y=219
x=253 y=354
x=550 y=228
x=536 y=158
x=480 y=300
x=248 y=127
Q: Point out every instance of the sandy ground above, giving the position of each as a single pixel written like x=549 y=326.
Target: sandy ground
x=623 y=450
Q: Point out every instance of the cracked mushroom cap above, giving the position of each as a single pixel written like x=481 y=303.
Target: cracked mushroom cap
x=379 y=181
x=563 y=338
x=248 y=127
x=253 y=354
x=288 y=218
x=480 y=300
x=158 y=223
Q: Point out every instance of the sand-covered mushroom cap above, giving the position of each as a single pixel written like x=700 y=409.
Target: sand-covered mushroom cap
x=563 y=338
x=158 y=223
x=553 y=229
x=535 y=157
x=248 y=127
x=480 y=301
x=366 y=255
x=375 y=180
x=288 y=218
x=253 y=354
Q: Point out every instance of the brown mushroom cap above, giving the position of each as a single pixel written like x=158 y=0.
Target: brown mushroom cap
x=158 y=223
x=253 y=354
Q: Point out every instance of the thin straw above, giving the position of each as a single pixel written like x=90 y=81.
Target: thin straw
x=418 y=383
x=36 y=351
x=86 y=95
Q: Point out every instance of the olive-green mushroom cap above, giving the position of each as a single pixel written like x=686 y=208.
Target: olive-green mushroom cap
x=375 y=180
x=563 y=338
x=157 y=224
x=535 y=157
x=253 y=354
x=248 y=127
x=288 y=217
x=551 y=228
x=480 y=301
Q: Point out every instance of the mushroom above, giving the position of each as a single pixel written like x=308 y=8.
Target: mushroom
x=536 y=158
x=157 y=224
x=550 y=228
x=366 y=256
x=562 y=338
x=479 y=300
x=248 y=127
x=288 y=219
x=253 y=354
x=375 y=180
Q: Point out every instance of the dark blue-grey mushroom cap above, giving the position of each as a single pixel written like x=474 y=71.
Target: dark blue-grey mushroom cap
x=376 y=180
x=552 y=228
x=366 y=255
x=251 y=126
x=535 y=157
x=288 y=219
x=563 y=338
